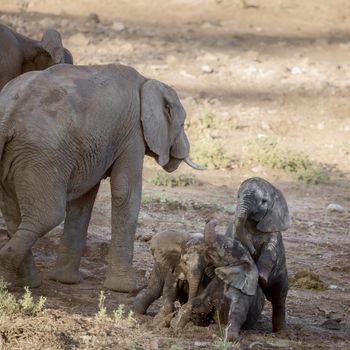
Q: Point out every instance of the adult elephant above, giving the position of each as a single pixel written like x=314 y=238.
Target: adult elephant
x=64 y=129
x=19 y=54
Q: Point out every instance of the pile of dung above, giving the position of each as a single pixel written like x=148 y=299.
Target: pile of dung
x=307 y=279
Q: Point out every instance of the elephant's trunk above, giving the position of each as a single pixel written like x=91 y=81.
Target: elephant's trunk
x=193 y=284
x=209 y=231
x=193 y=165
x=244 y=207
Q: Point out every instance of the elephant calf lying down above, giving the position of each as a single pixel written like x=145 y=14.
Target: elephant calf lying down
x=232 y=289
x=177 y=273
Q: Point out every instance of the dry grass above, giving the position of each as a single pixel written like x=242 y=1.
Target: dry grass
x=307 y=279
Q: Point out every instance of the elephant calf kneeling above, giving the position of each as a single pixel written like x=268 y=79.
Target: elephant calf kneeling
x=176 y=274
x=233 y=293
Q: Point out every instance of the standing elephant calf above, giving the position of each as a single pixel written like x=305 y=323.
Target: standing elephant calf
x=63 y=130
x=261 y=215
x=19 y=54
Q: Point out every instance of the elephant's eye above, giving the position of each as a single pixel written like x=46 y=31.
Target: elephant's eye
x=264 y=201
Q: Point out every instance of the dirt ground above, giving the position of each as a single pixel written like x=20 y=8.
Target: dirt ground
x=270 y=68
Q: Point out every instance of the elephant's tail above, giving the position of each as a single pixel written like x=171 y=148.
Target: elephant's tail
x=3 y=138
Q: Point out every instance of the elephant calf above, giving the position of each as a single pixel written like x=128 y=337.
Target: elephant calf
x=261 y=214
x=19 y=54
x=233 y=292
x=177 y=272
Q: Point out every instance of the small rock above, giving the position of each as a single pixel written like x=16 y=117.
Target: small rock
x=332 y=286
x=78 y=39
x=118 y=26
x=296 y=71
x=250 y=4
x=265 y=125
x=46 y=23
x=65 y=23
x=332 y=324
x=320 y=126
x=207 y=69
x=93 y=17
x=335 y=208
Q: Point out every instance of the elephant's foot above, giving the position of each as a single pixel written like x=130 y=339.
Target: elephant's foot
x=182 y=318
x=233 y=335
x=164 y=316
x=279 y=325
x=28 y=277
x=66 y=275
x=122 y=281
x=7 y=273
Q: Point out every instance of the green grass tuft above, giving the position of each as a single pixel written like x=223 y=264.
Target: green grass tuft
x=269 y=153
x=209 y=153
x=9 y=305
x=182 y=180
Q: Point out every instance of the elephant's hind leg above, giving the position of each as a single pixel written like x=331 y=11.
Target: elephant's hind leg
x=27 y=273
x=41 y=203
x=78 y=214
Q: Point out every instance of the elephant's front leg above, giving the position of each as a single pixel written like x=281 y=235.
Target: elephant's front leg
x=78 y=214
x=268 y=258
x=164 y=315
x=126 y=187
x=153 y=290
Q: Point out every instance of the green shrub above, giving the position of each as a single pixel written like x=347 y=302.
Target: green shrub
x=8 y=302
x=182 y=180
x=9 y=305
x=27 y=304
x=157 y=197
x=269 y=153
x=102 y=311
x=209 y=153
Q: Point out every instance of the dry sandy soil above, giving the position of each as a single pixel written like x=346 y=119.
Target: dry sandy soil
x=275 y=68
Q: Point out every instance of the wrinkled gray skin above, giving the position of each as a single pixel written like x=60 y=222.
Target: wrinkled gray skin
x=261 y=213
x=234 y=291
x=63 y=130
x=177 y=260
x=19 y=54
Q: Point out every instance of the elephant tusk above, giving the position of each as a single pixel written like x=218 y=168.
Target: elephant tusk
x=193 y=165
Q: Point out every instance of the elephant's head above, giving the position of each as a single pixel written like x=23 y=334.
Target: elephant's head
x=263 y=205
x=163 y=118
x=45 y=53
x=180 y=252
x=233 y=264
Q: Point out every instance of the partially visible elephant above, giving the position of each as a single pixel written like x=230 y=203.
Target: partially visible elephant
x=20 y=54
x=63 y=130
x=233 y=292
x=261 y=214
x=177 y=273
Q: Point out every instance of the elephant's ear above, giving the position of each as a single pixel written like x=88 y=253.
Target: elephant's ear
x=166 y=248
x=243 y=277
x=52 y=44
x=162 y=117
x=276 y=217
